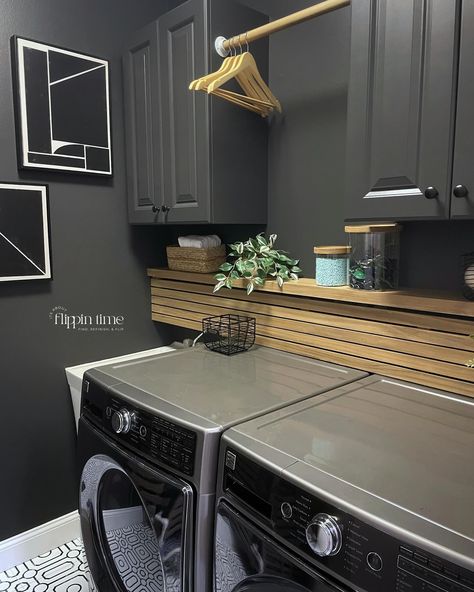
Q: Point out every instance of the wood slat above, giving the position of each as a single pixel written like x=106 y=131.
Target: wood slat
x=422 y=300
x=429 y=380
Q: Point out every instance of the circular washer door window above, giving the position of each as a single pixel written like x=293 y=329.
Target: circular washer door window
x=130 y=542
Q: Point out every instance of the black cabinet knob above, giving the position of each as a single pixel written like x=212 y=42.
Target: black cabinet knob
x=165 y=209
x=431 y=193
x=460 y=191
x=155 y=210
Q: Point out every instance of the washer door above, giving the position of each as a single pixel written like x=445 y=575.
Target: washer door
x=248 y=560
x=136 y=525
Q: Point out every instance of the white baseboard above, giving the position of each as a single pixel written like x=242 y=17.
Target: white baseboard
x=41 y=539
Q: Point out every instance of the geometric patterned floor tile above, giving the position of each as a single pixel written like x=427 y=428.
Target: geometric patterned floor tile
x=61 y=570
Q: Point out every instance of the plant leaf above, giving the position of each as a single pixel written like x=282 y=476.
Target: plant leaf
x=218 y=286
x=280 y=281
x=220 y=277
x=226 y=266
x=250 y=288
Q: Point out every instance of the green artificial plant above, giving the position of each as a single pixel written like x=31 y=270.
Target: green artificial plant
x=254 y=261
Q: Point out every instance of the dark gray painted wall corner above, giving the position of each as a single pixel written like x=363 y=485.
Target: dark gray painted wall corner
x=98 y=263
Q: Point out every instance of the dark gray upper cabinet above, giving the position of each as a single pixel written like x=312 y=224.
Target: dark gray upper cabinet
x=185 y=121
x=192 y=158
x=462 y=200
x=401 y=109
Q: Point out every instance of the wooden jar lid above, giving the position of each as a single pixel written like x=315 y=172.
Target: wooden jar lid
x=367 y=228
x=333 y=250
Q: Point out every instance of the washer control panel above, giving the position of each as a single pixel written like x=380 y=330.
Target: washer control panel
x=154 y=437
x=334 y=540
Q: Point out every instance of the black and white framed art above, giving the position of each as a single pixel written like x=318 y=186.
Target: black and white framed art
x=62 y=109
x=24 y=232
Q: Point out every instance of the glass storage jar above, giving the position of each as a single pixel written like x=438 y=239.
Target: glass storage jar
x=332 y=265
x=374 y=262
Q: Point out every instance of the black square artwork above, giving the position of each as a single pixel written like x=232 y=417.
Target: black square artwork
x=63 y=109
x=24 y=232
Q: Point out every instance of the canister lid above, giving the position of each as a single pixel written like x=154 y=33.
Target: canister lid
x=366 y=228
x=333 y=250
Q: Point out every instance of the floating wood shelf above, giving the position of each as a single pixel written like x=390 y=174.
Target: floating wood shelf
x=418 y=336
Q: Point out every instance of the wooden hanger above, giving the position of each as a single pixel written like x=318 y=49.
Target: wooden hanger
x=263 y=108
x=202 y=83
x=243 y=68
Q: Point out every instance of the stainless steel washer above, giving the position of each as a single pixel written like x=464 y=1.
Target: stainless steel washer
x=368 y=488
x=149 y=437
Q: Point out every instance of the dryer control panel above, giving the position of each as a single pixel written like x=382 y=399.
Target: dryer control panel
x=155 y=437
x=334 y=540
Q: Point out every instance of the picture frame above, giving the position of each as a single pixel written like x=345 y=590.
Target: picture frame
x=62 y=109
x=24 y=232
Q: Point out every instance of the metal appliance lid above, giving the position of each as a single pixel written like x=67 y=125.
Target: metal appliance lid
x=378 y=443
x=225 y=390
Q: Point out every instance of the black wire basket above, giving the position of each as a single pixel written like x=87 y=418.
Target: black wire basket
x=229 y=334
x=468 y=276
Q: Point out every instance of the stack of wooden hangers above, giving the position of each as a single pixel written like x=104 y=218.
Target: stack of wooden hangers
x=243 y=68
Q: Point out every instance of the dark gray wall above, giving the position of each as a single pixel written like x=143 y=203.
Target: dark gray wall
x=309 y=67
x=98 y=266
x=309 y=74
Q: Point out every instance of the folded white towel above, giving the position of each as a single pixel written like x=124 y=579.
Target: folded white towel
x=199 y=242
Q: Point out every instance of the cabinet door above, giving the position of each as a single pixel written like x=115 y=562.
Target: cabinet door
x=185 y=114
x=144 y=174
x=462 y=201
x=400 y=113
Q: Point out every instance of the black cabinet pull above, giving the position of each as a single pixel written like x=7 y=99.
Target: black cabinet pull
x=460 y=191
x=165 y=209
x=155 y=210
x=431 y=193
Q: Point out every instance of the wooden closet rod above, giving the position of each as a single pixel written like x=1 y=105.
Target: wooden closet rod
x=223 y=45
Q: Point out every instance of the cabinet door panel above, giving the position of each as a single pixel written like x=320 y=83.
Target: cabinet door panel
x=463 y=174
x=185 y=119
x=400 y=108
x=144 y=175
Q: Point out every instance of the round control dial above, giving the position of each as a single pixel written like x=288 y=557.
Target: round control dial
x=374 y=561
x=286 y=510
x=324 y=535
x=121 y=421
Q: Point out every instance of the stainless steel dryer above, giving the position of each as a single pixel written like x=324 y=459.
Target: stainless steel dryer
x=148 y=446
x=368 y=488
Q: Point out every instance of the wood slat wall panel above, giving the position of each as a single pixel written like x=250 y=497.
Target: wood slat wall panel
x=440 y=338
x=454 y=356
x=425 y=348
x=427 y=321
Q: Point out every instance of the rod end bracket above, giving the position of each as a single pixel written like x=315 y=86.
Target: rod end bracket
x=219 y=46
